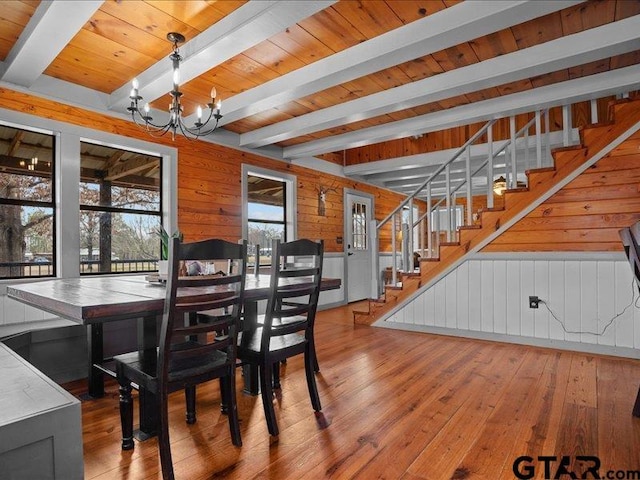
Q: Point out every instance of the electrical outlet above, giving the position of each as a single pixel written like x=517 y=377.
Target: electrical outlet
x=534 y=301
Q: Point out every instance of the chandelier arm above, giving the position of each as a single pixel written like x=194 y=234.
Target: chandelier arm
x=152 y=129
x=215 y=126
x=196 y=130
x=143 y=122
x=189 y=133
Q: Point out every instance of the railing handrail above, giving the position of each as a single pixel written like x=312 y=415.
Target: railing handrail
x=505 y=145
x=473 y=138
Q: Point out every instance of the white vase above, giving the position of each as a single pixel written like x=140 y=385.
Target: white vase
x=163 y=268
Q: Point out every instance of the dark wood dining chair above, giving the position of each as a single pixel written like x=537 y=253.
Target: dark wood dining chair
x=190 y=352
x=287 y=327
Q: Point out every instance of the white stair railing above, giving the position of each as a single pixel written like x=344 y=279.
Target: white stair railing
x=455 y=183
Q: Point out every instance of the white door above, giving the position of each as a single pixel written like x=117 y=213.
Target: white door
x=358 y=239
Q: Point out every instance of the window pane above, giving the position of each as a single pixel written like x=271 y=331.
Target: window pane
x=113 y=177
x=359 y=226
x=129 y=242
x=117 y=186
x=26 y=242
x=26 y=203
x=258 y=211
x=25 y=187
x=27 y=163
x=263 y=233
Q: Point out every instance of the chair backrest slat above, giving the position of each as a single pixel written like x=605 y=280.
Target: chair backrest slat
x=295 y=290
x=183 y=335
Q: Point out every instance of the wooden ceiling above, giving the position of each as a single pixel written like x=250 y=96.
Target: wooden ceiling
x=311 y=78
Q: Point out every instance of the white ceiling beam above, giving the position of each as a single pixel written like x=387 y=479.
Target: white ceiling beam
x=585 y=88
x=241 y=30
x=52 y=26
x=584 y=47
x=451 y=26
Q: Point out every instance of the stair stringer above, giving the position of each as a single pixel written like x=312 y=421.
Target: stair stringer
x=502 y=227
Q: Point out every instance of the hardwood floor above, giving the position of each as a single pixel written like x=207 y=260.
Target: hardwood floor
x=397 y=405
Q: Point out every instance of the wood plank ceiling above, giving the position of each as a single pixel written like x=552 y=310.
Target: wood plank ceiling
x=323 y=78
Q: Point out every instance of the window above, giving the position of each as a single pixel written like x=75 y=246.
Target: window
x=120 y=210
x=266 y=214
x=359 y=226
x=270 y=210
x=27 y=213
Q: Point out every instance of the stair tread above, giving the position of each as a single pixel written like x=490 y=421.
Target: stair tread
x=539 y=170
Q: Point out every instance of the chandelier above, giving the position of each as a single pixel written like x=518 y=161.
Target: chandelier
x=175 y=123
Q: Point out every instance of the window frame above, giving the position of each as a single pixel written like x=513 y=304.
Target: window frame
x=67 y=177
x=50 y=204
x=290 y=182
x=102 y=208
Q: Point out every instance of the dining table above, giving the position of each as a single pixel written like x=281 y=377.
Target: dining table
x=93 y=301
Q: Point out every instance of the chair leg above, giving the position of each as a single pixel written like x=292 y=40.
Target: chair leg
x=190 y=398
x=311 y=378
x=276 y=375
x=232 y=410
x=224 y=404
x=316 y=366
x=266 y=373
x=126 y=415
x=164 y=446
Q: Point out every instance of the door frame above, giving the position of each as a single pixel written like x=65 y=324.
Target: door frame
x=370 y=238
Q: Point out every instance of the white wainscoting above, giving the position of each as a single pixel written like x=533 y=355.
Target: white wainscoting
x=12 y=311
x=333 y=267
x=488 y=298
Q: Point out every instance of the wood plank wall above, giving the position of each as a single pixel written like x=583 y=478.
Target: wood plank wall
x=209 y=179
x=583 y=216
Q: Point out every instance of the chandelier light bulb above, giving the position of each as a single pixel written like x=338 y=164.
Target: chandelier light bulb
x=199 y=113
x=135 y=83
x=146 y=108
x=213 y=92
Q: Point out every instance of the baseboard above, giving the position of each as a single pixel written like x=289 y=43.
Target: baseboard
x=625 y=352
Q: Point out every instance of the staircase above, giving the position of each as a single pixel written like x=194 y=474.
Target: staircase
x=596 y=141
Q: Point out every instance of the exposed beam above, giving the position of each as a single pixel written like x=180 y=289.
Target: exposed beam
x=242 y=29
x=565 y=52
x=134 y=165
x=49 y=30
x=134 y=181
x=410 y=166
x=15 y=143
x=586 y=88
x=443 y=29
x=113 y=159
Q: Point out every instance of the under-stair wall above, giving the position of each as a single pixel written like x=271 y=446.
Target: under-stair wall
x=488 y=298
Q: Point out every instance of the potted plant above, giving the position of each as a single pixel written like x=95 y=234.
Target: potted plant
x=163 y=263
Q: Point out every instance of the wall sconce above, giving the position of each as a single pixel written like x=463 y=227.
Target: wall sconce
x=499 y=185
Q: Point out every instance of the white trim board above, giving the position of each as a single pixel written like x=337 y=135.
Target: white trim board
x=534 y=342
